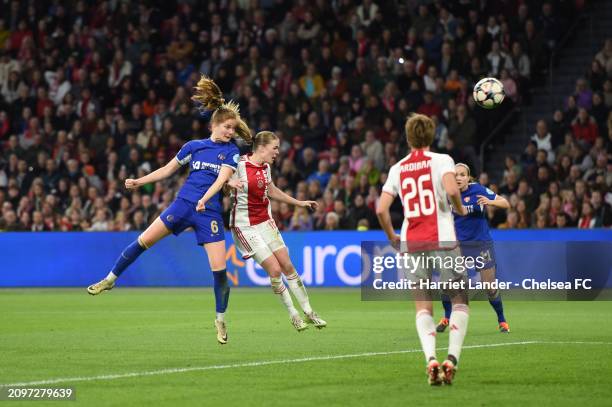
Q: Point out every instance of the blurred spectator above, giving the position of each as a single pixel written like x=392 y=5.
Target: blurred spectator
x=462 y=131
x=543 y=140
x=584 y=127
x=604 y=57
x=101 y=93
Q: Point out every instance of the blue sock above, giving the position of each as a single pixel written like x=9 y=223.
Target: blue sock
x=448 y=306
x=127 y=257
x=496 y=303
x=222 y=290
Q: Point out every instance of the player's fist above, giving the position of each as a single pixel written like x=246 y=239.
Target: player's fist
x=200 y=207
x=131 y=184
x=483 y=200
x=235 y=183
x=395 y=241
x=312 y=205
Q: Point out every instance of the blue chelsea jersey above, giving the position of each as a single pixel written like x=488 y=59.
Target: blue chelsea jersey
x=473 y=226
x=205 y=159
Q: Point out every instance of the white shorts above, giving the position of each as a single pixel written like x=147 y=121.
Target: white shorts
x=258 y=241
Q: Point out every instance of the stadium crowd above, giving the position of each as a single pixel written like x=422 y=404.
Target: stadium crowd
x=94 y=92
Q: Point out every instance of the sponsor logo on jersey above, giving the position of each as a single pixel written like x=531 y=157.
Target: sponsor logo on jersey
x=201 y=165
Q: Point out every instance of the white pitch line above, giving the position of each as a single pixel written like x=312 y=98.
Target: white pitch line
x=576 y=343
x=267 y=363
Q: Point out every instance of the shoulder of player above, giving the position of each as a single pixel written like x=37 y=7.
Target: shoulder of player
x=443 y=163
x=242 y=163
x=439 y=156
x=233 y=148
x=190 y=144
x=470 y=189
x=235 y=155
x=397 y=165
x=476 y=186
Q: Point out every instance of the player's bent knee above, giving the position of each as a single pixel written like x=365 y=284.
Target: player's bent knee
x=153 y=234
x=272 y=267
x=458 y=297
x=274 y=272
x=288 y=269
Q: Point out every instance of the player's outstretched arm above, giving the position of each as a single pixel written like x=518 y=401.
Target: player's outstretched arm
x=384 y=217
x=157 y=175
x=224 y=176
x=275 y=193
x=450 y=186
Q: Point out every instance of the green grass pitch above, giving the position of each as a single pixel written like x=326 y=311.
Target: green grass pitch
x=559 y=353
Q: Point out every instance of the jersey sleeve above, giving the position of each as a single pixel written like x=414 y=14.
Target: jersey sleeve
x=184 y=155
x=487 y=192
x=447 y=164
x=392 y=185
x=232 y=157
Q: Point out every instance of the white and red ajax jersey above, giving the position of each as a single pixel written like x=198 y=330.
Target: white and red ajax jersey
x=418 y=181
x=251 y=205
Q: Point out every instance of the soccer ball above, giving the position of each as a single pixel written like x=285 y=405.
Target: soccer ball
x=489 y=93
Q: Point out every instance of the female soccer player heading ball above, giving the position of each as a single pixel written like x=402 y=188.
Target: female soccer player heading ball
x=255 y=232
x=425 y=182
x=211 y=162
x=473 y=231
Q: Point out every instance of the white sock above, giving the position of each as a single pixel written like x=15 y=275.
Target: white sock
x=281 y=289
x=111 y=277
x=457 y=324
x=297 y=288
x=426 y=328
x=221 y=316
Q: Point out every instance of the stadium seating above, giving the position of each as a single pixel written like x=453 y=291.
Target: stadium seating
x=93 y=95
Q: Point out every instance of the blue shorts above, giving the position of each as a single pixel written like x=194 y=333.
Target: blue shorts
x=484 y=250
x=181 y=214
